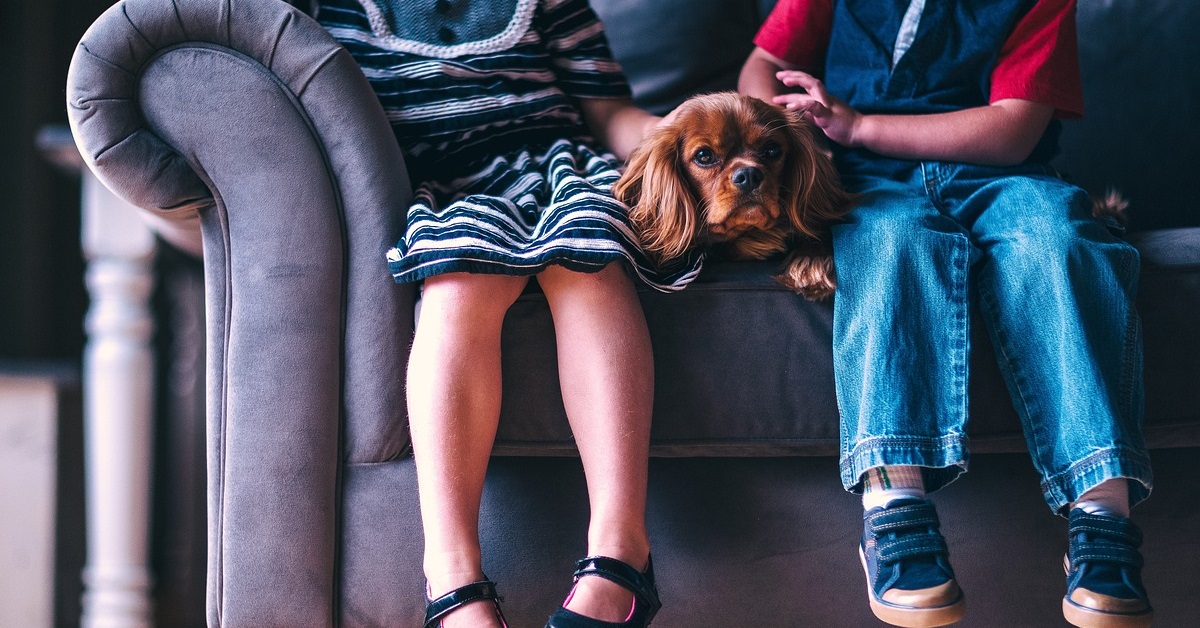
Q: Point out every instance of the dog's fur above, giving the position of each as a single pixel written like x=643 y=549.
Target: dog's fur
x=1111 y=204
x=735 y=172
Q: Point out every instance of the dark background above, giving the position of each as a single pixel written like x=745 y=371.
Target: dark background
x=43 y=302
x=42 y=298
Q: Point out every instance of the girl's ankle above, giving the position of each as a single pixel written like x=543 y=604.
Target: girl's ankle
x=600 y=599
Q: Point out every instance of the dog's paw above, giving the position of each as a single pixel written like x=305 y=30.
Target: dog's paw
x=809 y=276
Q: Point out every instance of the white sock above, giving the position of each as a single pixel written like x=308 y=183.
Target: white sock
x=1110 y=497
x=882 y=485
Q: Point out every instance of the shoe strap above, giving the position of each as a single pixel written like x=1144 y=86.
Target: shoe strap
x=890 y=550
x=452 y=601
x=1111 y=553
x=895 y=519
x=1103 y=539
x=906 y=531
x=640 y=584
x=1118 y=529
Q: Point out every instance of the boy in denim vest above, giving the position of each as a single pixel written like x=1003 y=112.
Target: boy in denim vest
x=943 y=117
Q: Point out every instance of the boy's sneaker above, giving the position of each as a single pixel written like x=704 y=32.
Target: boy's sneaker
x=1104 y=573
x=909 y=579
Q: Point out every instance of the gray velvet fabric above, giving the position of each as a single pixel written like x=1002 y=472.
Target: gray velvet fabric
x=246 y=113
x=251 y=114
x=673 y=49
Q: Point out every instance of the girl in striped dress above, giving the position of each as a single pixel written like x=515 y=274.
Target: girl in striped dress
x=503 y=109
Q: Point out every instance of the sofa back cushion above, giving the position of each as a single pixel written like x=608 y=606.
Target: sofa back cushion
x=673 y=49
x=1140 y=128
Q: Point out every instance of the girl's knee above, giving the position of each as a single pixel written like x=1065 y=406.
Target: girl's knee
x=611 y=277
x=470 y=292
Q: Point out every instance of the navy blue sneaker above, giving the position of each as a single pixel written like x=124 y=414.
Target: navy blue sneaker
x=1104 y=573
x=909 y=579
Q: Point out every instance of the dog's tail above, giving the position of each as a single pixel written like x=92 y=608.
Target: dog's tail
x=1112 y=204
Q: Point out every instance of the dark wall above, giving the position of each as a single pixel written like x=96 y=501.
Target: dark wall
x=42 y=296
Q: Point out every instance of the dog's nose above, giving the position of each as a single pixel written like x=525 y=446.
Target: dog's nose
x=747 y=179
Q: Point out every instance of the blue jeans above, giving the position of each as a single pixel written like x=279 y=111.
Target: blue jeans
x=1056 y=292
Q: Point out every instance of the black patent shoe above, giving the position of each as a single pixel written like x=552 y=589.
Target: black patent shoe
x=640 y=583
x=435 y=610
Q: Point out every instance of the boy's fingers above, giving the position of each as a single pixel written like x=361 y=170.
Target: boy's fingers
x=810 y=83
x=786 y=98
x=793 y=101
x=815 y=110
x=793 y=74
x=796 y=77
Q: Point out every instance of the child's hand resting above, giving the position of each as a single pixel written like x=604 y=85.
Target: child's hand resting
x=839 y=120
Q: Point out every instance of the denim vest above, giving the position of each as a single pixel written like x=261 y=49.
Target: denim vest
x=947 y=67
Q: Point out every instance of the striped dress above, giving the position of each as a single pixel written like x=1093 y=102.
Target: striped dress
x=482 y=96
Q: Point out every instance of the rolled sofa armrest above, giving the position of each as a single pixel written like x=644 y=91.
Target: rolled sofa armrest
x=247 y=115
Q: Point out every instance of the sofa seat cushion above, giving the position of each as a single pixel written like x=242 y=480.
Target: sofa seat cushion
x=744 y=367
x=1169 y=303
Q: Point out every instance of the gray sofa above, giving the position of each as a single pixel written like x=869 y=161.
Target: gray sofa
x=245 y=114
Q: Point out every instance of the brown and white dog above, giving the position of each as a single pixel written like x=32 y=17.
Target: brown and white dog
x=734 y=172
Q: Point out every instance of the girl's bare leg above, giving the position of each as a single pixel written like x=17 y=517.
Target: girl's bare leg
x=454 y=407
x=607 y=375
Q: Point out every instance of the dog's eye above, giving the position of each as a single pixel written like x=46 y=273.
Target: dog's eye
x=771 y=151
x=705 y=157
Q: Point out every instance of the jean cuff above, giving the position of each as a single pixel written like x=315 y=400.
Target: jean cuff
x=941 y=460
x=1064 y=489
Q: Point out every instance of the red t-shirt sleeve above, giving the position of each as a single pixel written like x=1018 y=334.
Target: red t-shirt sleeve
x=797 y=31
x=1040 y=60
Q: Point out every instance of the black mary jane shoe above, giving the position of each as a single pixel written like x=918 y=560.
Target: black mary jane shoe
x=640 y=583
x=435 y=610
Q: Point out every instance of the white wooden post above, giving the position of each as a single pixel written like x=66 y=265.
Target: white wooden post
x=118 y=403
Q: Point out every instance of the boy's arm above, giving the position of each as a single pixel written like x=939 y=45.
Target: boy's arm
x=1003 y=133
x=617 y=123
x=1000 y=134
x=758 y=75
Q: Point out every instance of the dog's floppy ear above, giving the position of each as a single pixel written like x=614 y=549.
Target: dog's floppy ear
x=812 y=198
x=662 y=206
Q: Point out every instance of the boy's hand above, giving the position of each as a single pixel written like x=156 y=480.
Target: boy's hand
x=838 y=120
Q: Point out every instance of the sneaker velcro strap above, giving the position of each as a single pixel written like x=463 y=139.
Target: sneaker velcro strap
x=1115 y=528
x=1099 y=552
x=921 y=515
x=890 y=550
